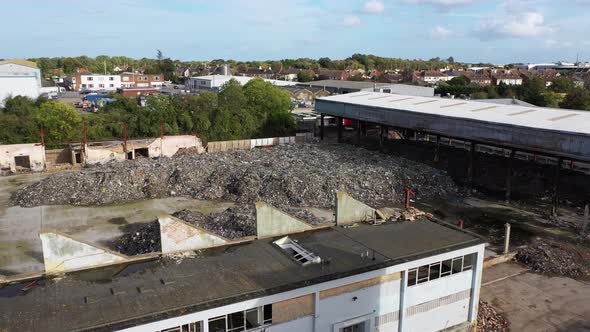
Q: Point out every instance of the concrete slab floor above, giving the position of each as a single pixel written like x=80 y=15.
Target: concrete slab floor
x=533 y=302
x=20 y=246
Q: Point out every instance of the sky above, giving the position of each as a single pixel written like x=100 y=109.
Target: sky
x=497 y=31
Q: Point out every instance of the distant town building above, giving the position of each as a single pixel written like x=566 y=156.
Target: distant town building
x=215 y=82
x=480 y=78
x=432 y=76
x=507 y=77
x=94 y=82
x=331 y=74
x=19 y=78
x=342 y=87
x=132 y=80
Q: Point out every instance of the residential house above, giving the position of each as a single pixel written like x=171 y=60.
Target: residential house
x=479 y=77
x=332 y=74
x=94 y=82
x=133 y=80
x=507 y=77
x=265 y=73
x=432 y=76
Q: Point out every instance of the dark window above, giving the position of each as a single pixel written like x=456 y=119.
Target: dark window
x=445 y=268
x=434 y=271
x=267 y=314
x=22 y=161
x=457 y=264
x=252 y=319
x=423 y=274
x=235 y=321
x=217 y=324
x=412 y=274
x=468 y=262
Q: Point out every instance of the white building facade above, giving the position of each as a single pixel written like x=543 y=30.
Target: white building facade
x=215 y=82
x=19 y=78
x=429 y=294
x=95 y=82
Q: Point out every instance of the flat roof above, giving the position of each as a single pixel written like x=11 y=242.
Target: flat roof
x=344 y=84
x=571 y=121
x=122 y=296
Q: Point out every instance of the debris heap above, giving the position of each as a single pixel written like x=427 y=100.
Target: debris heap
x=289 y=175
x=144 y=240
x=233 y=223
x=489 y=320
x=556 y=259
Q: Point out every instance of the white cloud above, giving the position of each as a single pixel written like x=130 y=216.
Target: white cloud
x=440 y=3
x=519 y=25
x=374 y=7
x=552 y=43
x=351 y=21
x=440 y=32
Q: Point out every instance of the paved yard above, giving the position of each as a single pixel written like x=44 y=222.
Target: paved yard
x=533 y=302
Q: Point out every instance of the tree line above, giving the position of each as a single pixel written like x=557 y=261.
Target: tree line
x=257 y=109
x=562 y=92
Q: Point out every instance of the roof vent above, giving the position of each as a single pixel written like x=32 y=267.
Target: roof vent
x=297 y=252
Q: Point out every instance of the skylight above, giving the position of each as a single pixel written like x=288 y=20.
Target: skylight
x=297 y=252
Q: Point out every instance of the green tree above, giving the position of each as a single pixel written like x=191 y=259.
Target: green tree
x=533 y=91
x=303 y=76
x=458 y=80
x=577 y=99
x=61 y=122
x=562 y=85
x=326 y=63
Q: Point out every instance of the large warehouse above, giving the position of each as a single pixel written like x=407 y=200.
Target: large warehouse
x=19 y=78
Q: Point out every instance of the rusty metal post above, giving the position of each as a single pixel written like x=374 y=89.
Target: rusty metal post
x=509 y=176
x=409 y=194
x=322 y=127
x=125 y=138
x=461 y=223
x=85 y=134
x=437 y=149
x=507 y=238
x=42 y=134
x=556 y=176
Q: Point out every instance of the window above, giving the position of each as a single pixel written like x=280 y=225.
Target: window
x=91 y=85
x=156 y=78
x=111 y=78
x=191 y=327
x=442 y=269
x=90 y=78
x=247 y=320
x=83 y=85
x=101 y=85
x=111 y=85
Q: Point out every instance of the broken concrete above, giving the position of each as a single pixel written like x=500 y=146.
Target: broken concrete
x=62 y=253
x=350 y=210
x=22 y=157
x=271 y=221
x=177 y=235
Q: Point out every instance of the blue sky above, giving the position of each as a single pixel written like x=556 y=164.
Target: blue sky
x=499 y=31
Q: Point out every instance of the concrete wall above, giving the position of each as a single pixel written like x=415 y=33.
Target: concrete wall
x=36 y=153
x=59 y=156
x=349 y=210
x=103 y=154
x=177 y=235
x=378 y=304
x=272 y=222
x=168 y=146
x=62 y=253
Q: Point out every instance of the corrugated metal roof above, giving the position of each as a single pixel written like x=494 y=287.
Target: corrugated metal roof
x=565 y=120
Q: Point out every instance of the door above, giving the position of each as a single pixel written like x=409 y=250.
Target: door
x=358 y=327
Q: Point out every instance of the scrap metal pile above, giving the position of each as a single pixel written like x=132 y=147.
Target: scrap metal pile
x=489 y=320
x=289 y=175
x=556 y=259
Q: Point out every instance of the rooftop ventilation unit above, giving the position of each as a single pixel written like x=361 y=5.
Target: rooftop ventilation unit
x=297 y=252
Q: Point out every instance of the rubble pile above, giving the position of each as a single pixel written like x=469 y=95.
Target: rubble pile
x=489 y=320
x=233 y=223
x=555 y=259
x=144 y=240
x=288 y=175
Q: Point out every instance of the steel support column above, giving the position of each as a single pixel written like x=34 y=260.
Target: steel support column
x=437 y=149
x=359 y=125
x=381 y=134
x=470 y=162
x=322 y=127
x=340 y=127
x=509 y=175
x=556 y=177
